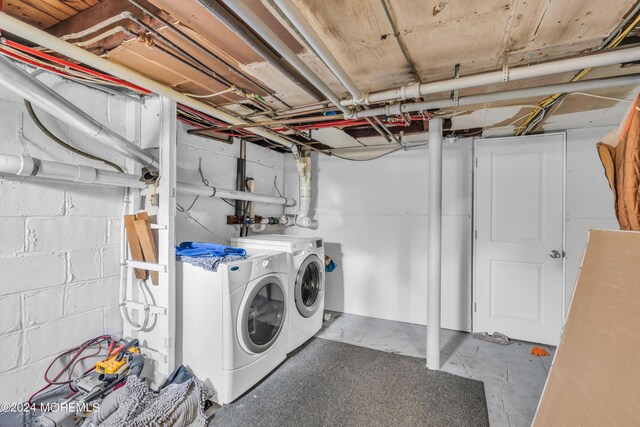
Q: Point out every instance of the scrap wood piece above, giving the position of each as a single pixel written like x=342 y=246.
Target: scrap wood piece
x=134 y=245
x=147 y=242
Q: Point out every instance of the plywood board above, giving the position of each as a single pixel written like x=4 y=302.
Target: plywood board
x=359 y=36
x=594 y=377
x=148 y=244
x=134 y=244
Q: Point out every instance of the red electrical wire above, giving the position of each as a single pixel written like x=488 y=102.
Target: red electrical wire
x=77 y=352
x=190 y=123
x=73 y=66
x=34 y=63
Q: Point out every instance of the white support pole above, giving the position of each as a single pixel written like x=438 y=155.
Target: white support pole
x=166 y=216
x=435 y=243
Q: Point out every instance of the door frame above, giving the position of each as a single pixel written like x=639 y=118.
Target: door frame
x=474 y=205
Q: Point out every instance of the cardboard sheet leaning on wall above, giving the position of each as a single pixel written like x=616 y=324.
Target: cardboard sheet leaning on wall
x=619 y=152
x=594 y=376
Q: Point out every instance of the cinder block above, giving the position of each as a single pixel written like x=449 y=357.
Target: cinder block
x=111 y=262
x=9 y=116
x=84 y=265
x=19 y=384
x=12 y=235
x=9 y=313
x=7 y=95
x=94 y=201
x=10 y=345
x=52 y=338
x=30 y=272
x=114 y=232
x=31 y=198
x=113 y=321
x=82 y=297
x=64 y=233
x=43 y=306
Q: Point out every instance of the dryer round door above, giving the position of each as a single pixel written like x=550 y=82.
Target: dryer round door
x=262 y=314
x=309 y=286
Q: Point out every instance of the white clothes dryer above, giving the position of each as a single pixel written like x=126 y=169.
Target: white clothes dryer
x=234 y=321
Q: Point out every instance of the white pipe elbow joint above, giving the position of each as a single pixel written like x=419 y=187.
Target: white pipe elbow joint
x=303 y=221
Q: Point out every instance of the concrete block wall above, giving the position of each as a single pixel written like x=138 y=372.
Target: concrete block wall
x=219 y=168
x=59 y=243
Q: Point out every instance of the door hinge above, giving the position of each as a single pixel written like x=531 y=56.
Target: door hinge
x=475 y=307
x=475 y=234
x=476 y=162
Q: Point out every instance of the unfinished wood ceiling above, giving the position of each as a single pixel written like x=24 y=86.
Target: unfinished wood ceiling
x=478 y=35
x=432 y=38
x=46 y=13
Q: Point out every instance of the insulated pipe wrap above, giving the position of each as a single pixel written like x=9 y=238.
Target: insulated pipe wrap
x=303 y=219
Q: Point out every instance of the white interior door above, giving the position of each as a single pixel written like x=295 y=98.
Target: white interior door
x=518 y=215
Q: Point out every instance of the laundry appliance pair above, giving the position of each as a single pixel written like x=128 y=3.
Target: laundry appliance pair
x=239 y=323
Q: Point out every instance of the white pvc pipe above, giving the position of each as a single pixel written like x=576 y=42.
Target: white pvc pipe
x=26 y=166
x=240 y=8
x=599 y=59
x=26 y=86
x=208 y=191
x=435 y=244
x=300 y=23
x=507 y=95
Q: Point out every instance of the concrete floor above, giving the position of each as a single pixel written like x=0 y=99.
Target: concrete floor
x=513 y=378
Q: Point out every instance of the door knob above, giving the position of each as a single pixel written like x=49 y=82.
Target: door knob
x=556 y=254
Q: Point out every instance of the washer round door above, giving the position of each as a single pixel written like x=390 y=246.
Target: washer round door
x=309 y=286
x=262 y=315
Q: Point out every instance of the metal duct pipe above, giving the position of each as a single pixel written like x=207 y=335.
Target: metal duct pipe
x=507 y=95
x=26 y=166
x=23 y=84
x=434 y=280
x=295 y=17
x=208 y=191
x=599 y=59
x=240 y=8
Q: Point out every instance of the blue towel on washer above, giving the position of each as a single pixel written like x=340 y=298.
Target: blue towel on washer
x=209 y=263
x=197 y=249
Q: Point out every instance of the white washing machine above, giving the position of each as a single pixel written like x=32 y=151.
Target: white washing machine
x=306 y=280
x=234 y=321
